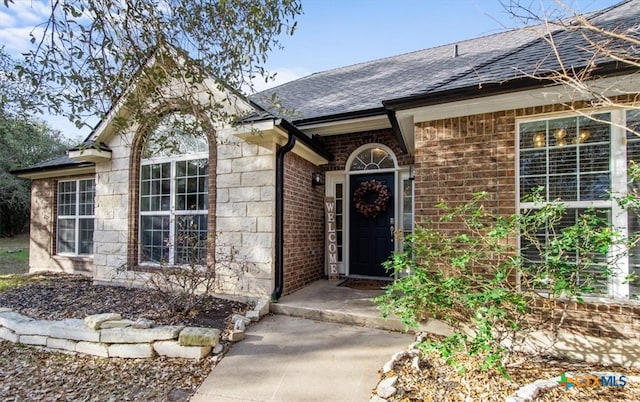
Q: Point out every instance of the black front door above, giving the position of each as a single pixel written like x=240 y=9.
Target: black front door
x=370 y=238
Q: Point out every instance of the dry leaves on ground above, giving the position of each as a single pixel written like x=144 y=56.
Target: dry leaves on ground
x=28 y=373
x=437 y=381
x=57 y=296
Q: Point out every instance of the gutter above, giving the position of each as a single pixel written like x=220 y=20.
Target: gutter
x=397 y=132
x=294 y=134
x=341 y=116
x=279 y=257
x=300 y=136
x=516 y=84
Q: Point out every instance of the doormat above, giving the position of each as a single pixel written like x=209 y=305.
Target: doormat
x=365 y=283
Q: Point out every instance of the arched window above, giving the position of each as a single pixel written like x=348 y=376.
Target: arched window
x=372 y=158
x=174 y=192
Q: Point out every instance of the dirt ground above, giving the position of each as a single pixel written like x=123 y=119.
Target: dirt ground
x=14 y=254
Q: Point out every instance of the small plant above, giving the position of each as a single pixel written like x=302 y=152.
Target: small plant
x=180 y=285
x=471 y=275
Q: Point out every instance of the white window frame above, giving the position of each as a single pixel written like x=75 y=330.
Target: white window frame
x=172 y=213
x=76 y=217
x=618 y=170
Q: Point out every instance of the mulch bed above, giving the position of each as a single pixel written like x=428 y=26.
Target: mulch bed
x=29 y=373
x=437 y=381
x=59 y=296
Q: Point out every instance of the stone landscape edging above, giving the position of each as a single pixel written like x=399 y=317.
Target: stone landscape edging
x=108 y=335
x=386 y=389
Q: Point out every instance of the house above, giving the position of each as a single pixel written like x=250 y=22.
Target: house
x=415 y=129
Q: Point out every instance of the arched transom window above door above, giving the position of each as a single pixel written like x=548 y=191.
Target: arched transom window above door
x=373 y=157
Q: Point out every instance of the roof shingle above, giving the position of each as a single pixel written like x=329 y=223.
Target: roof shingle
x=489 y=59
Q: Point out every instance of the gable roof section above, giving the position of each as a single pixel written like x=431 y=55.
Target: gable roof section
x=362 y=89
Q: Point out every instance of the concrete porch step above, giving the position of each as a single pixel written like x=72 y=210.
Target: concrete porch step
x=324 y=300
x=341 y=317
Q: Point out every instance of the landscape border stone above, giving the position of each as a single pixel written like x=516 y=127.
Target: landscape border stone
x=527 y=393
x=121 y=338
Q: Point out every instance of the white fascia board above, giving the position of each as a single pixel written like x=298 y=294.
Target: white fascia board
x=90 y=155
x=612 y=86
x=267 y=132
x=407 y=131
x=251 y=128
x=48 y=174
x=347 y=126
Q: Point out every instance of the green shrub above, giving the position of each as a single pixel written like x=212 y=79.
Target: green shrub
x=466 y=271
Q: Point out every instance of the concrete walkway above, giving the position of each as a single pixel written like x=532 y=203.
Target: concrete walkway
x=295 y=359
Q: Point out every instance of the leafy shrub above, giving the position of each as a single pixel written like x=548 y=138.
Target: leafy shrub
x=465 y=270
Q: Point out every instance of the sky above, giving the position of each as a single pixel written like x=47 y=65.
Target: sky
x=334 y=33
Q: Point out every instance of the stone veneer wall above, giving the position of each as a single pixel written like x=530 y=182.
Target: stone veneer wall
x=43 y=232
x=244 y=221
x=303 y=224
x=112 y=210
x=245 y=216
x=459 y=156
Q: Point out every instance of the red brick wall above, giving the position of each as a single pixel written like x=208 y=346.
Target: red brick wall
x=43 y=222
x=342 y=146
x=612 y=320
x=303 y=225
x=459 y=156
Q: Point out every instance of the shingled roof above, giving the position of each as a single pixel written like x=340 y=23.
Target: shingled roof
x=496 y=58
x=538 y=58
x=372 y=87
x=62 y=162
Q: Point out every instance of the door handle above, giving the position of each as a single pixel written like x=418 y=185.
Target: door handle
x=392 y=228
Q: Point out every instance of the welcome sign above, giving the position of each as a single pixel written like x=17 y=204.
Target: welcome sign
x=331 y=238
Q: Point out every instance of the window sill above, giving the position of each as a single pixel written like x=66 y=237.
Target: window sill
x=610 y=300
x=604 y=300
x=71 y=257
x=150 y=267
x=146 y=268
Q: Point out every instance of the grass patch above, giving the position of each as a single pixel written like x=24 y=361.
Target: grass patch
x=14 y=255
x=17 y=256
x=14 y=263
x=13 y=281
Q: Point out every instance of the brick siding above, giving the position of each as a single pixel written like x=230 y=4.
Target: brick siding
x=342 y=146
x=303 y=225
x=458 y=157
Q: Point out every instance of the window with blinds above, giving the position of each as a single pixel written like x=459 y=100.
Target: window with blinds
x=582 y=162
